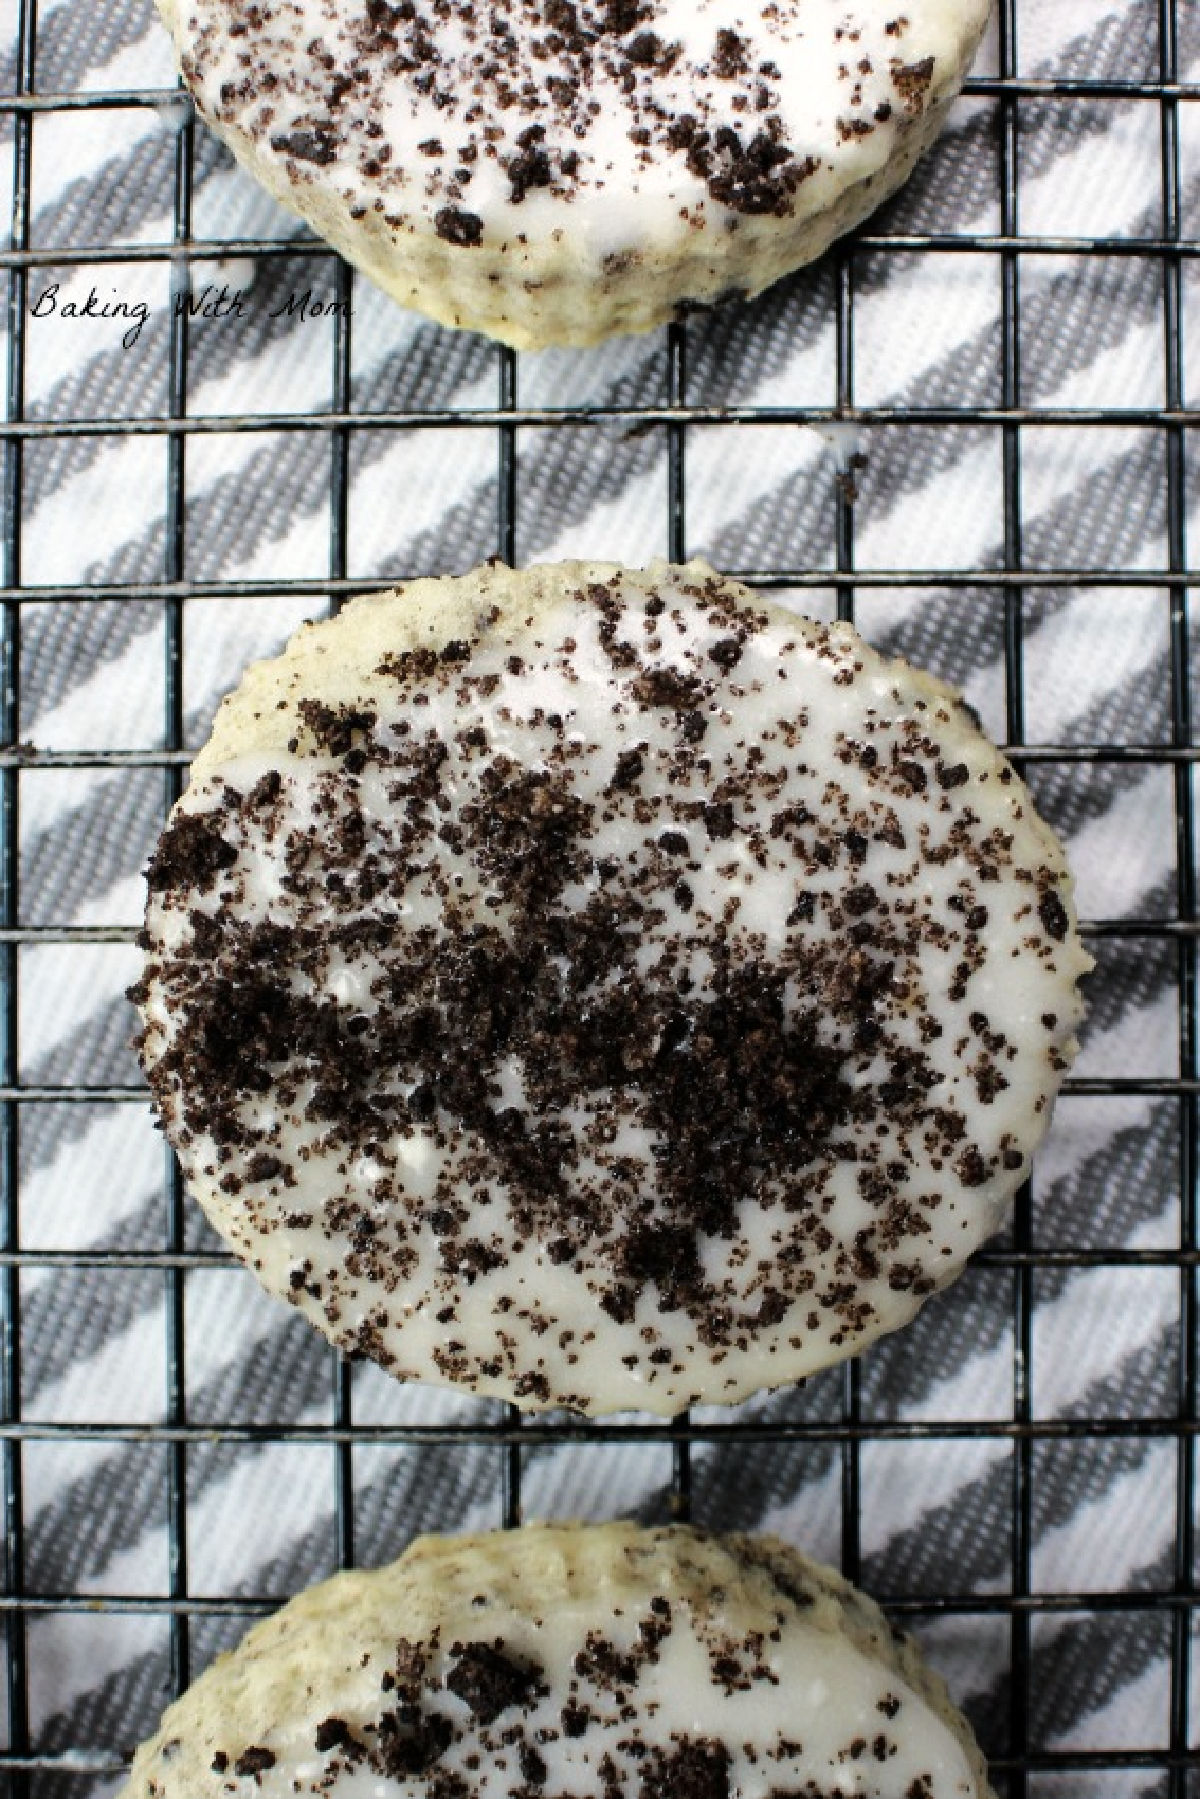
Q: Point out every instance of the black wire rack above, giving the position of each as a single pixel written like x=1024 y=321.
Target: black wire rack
x=1019 y=1766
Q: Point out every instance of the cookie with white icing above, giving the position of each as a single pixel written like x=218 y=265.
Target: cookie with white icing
x=554 y=171
x=606 y=1662
x=603 y=989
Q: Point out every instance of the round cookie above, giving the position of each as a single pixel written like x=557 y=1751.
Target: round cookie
x=602 y=989
x=606 y=1662
x=554 y=171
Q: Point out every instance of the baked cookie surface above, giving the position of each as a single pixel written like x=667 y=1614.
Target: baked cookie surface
x=555 y=171
x=606 y=1662
x=597 y=988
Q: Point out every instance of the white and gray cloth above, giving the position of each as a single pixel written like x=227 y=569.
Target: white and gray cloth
x=935 y=1513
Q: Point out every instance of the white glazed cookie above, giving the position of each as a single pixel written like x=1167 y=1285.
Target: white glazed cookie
x=554 y=171
x=602 y=989
x=604 y=1662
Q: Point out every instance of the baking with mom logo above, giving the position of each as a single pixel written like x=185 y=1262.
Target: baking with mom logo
x=212 y=302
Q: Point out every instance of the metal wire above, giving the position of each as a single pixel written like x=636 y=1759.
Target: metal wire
x=1011 y=584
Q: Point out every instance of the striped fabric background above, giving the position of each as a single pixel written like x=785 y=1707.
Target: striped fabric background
x=935 y=1512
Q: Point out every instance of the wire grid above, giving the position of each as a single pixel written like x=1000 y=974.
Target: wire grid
x=1018 y=1765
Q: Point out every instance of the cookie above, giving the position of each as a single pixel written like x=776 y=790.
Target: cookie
x=603 y=989
x=602 y=1660
x=554 y=171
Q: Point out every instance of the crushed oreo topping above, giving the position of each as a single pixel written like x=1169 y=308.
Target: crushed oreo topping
x=696 y=1768
x=489 y=1682
x=253 y=1761
x=191 y=854
x=463 y=229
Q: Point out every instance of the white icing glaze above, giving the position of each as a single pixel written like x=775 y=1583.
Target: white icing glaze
x=404 y=134
x=841 y=837
x=660 y=1665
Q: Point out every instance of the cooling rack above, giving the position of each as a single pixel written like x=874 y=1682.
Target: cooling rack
x=1024 y=1627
